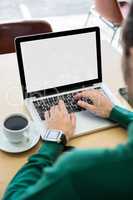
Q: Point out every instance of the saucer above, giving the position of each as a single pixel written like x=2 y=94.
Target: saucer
x=9 y=147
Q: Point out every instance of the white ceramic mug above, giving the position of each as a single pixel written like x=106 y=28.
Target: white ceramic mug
x=16 y=128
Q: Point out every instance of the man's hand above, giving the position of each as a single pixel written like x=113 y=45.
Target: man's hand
x=101 y=106
x=59 y=119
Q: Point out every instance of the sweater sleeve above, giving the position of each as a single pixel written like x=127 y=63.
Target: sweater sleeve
x=121 y=116
x=32 y=171
x=38 y=177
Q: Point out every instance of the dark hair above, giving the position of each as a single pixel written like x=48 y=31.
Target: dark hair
x=127 y=35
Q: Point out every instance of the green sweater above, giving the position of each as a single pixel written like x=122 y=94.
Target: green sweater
x=78 y=174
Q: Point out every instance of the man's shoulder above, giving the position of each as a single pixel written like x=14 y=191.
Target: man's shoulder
x=86 y=164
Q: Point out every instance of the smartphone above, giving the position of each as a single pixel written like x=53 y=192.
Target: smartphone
x=124 y=93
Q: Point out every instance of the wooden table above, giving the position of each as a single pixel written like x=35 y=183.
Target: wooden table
x=11 y=101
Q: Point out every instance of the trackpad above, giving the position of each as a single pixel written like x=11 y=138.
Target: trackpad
x=87 y=123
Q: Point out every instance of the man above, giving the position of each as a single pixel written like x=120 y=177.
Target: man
x=82 y=174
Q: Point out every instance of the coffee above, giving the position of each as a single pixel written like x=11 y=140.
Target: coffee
x=15 y=122
x=16 y=128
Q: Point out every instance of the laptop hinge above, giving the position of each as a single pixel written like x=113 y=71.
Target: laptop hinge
x=30 y=98
x=94 y=85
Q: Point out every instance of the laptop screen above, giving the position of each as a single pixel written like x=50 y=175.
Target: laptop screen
x=53 y=62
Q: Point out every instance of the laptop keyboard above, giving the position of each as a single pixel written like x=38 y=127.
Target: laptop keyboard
x=43 y=105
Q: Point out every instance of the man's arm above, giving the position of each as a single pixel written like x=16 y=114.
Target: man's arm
x=28 y=178
x=32 y=171
x=122 y=116
x=30 y=175
x=104 y=108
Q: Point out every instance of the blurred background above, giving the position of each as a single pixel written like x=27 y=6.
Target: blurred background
x=19 y=9
x=66 y=14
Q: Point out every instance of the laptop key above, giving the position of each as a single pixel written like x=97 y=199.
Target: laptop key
x=44 y=105
x=87 y=100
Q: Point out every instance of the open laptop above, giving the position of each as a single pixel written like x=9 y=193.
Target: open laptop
x=56 y=66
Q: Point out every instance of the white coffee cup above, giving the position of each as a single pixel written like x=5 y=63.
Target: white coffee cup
x=16 y=128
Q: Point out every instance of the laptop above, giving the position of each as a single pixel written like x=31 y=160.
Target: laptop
x=58 y=65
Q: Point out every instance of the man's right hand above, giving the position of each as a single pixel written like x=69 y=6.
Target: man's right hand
x=58 y=118
x=101 y=106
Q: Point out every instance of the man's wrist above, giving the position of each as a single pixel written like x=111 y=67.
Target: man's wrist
x=54 y=135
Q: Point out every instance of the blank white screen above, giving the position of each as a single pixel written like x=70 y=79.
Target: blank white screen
x=59 y=61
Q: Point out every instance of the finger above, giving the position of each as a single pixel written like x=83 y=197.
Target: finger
x=89 y=94
x=78 y=96
x=56 y=108
x=73 y=119
x=86 y=94
x=46 y=115
x=52 y=109
x=93 y=95
x=62 y=107
x=86 y=106
x=94 y=92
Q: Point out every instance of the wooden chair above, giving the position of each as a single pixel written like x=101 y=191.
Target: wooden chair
x=9 y=31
